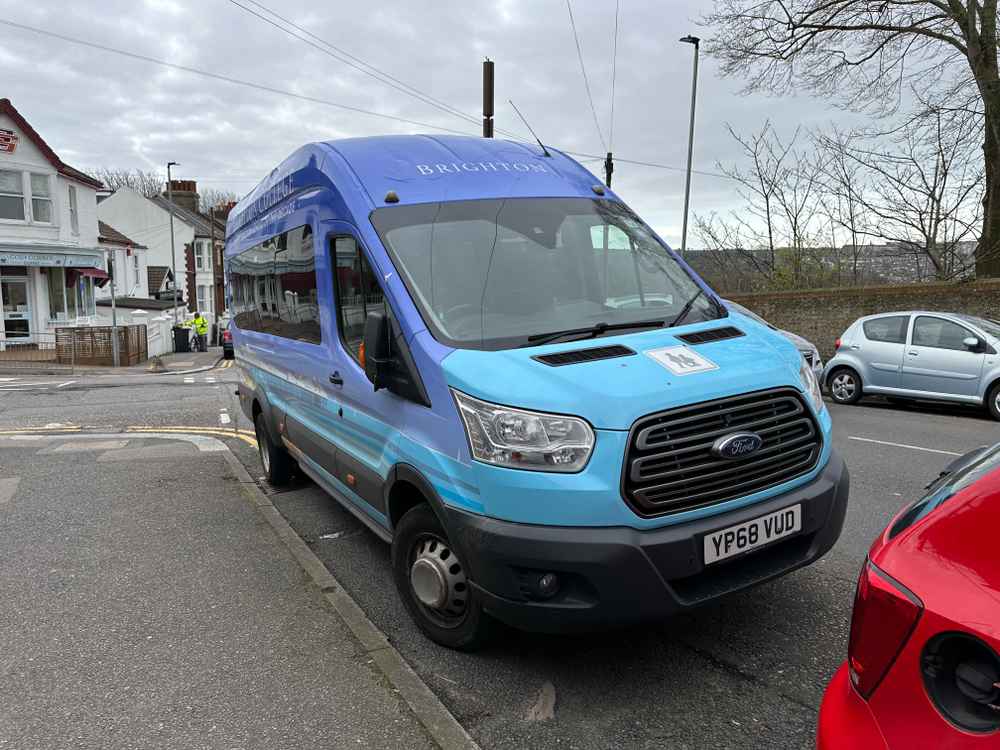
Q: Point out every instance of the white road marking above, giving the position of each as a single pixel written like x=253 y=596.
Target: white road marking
x=224 y=418
x=63 y=385
x=904 y=445
x=188 y=380
x=7 y=380
x=22 y=386
x=209 y=380
x=7 y=488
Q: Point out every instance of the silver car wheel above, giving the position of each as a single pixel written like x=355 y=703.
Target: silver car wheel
x=843 y=387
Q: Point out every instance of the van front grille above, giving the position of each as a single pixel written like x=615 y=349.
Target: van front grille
x=670 y=466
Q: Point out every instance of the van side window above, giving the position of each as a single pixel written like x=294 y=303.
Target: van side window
x=891 y=330
x=274 y=287
x=939 y=333
x=358 y=292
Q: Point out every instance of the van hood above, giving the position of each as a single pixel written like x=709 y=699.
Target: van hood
x=612 y=393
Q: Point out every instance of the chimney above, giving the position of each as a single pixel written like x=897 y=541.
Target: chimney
x=185 y=194
x=223 y=210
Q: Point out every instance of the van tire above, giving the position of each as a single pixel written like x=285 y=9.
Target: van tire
x=844 y=385
x=993 y=401
x=275 y=460
x=419 y=536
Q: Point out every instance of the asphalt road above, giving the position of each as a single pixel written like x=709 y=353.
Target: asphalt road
x=747 y=672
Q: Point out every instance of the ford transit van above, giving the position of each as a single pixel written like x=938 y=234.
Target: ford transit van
x=501 y=370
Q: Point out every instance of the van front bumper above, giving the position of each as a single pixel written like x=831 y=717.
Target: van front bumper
x=609 y=576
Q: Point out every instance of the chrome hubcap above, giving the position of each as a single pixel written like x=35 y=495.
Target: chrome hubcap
x=843 y=387
x=265 y=455
x=438 y=579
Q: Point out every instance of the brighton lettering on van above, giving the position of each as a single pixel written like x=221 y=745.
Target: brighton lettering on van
x=480 y=166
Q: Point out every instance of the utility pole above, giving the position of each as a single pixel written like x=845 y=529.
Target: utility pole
x=115 y=355
x=173 y=249
x=687 y=182
x=211 y=262
x=487 y=98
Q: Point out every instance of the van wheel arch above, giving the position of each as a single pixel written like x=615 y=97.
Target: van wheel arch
x=408 y=488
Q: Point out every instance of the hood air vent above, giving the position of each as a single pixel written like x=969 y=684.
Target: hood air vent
x=713 y=334
x=584 y=355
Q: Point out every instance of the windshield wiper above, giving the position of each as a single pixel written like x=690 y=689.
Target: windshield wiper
x=686 y=309
x=595 y=330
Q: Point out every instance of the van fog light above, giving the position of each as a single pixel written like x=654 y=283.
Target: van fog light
x=521 y=439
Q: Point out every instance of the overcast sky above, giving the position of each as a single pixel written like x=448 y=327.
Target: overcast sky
x=100 y=109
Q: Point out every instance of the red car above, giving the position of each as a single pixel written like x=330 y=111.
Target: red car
x=923 y=664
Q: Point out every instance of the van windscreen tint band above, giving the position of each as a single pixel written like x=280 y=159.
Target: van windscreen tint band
x=487 y=274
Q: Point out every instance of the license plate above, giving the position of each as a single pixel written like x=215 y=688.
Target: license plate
x=752 y=534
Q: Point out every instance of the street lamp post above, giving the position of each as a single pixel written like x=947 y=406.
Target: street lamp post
x=173 y=250
x=687 y=182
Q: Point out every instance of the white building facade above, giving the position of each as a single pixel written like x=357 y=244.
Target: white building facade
x=50 y=257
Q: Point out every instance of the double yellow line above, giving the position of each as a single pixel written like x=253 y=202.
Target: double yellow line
x=247 y=436
x=42 y=430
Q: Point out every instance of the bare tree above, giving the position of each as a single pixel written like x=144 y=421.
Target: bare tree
x=842 y=202
x=776 y=231
x=209 y=198
x=145 y=183
x=867 y=54
x=924 y=195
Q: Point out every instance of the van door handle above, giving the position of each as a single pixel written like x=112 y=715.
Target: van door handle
x=855 y=347
x=913 y=354
x=336 y=379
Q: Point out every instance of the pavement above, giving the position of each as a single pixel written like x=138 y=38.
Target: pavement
x=748 y=672
x=146 y=604
x=179 y=363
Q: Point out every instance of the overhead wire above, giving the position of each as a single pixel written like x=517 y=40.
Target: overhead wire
x=305 y=97
x=583 y=70
x=353 y=61
x=227 y=79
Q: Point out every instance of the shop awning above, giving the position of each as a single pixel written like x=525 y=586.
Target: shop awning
x=94 y=273
x=31 y=254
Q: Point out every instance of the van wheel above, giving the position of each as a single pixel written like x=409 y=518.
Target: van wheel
x=433 y=583
x=993 y=401
x=276 y=461
x=844 y=385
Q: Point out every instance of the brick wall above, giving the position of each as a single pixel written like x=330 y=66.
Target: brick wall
x=821 y=315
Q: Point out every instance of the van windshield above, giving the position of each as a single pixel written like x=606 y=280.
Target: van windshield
x=492 y=274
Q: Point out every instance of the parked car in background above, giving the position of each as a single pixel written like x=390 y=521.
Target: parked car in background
x=226 y=336
x=808 y=350
x=923 y=355
x=923 y=663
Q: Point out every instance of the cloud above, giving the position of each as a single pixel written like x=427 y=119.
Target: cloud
x=100 y=109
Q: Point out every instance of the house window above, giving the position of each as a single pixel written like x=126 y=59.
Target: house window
x=201 y=253
x=203 y=296
x=41 y=198
x=135 y=268
x=11 y=195
x=74 y=216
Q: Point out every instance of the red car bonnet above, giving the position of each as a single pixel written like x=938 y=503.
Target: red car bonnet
x=951 y=557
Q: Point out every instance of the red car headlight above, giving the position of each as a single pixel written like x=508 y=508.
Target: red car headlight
x=885 y=614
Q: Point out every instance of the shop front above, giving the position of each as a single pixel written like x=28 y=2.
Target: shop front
x=42 y=289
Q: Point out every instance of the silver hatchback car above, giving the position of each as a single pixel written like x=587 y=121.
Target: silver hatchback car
x=926 y=355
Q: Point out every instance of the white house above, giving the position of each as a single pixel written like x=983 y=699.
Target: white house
x=147 y=221
x=49 y=251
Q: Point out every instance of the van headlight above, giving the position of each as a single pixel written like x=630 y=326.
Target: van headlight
x=521 y=439
x=812 y=386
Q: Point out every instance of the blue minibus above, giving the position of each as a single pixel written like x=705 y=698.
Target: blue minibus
x=498 y=367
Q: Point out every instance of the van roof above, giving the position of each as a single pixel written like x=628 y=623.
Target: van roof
x=419 y=169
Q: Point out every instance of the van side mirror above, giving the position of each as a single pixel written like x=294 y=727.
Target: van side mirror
x=972 y=343
x=376 y=344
